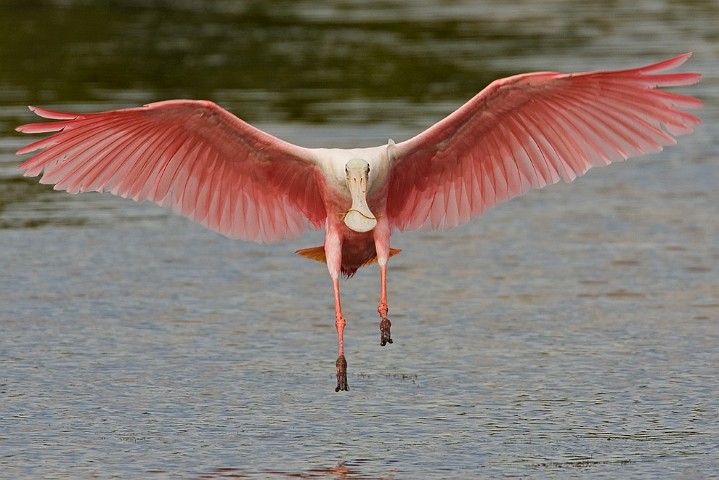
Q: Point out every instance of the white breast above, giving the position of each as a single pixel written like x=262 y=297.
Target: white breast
x=332 y=161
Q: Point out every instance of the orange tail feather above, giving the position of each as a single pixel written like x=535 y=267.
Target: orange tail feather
x=318 y=254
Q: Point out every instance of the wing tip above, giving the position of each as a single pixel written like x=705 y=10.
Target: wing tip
x=52 y=114
x=670 y=64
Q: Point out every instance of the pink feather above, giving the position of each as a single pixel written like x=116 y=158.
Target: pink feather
x=530 y=130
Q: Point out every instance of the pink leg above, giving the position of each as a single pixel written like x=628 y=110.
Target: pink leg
x=340 y=323
x=381 y=239
x=382 y=309
x=333 y=254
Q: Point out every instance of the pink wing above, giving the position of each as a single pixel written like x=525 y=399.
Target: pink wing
x=530 y=130
x=191 y=156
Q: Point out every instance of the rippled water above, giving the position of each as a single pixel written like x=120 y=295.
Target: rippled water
x=572 y=332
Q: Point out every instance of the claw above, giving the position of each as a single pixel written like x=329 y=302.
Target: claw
x=342 y=374
x=384 y=327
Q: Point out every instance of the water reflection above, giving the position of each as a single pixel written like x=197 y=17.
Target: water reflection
x=295 y=61
x=280 y=62
x=340 y=472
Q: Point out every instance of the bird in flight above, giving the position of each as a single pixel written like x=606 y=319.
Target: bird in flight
x=519 y=133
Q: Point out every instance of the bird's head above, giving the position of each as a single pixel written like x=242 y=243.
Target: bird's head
x=359 y=217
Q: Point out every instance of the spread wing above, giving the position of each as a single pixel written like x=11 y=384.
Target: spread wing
x=530 y=130
x=191 y=156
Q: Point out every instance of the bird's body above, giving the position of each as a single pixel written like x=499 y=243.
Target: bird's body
x=358 y=247
x=521 y=132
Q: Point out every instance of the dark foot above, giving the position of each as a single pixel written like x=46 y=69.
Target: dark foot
x=384 y=327
x=342 y=374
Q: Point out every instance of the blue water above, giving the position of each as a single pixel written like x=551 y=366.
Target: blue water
x=572 y=332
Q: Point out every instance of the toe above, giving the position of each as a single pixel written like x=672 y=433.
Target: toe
x=384 y=328
x=341 y=374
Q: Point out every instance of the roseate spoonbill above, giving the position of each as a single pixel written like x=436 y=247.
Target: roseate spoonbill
x=521 y=132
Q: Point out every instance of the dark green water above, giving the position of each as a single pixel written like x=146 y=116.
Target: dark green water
x=572 y=332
